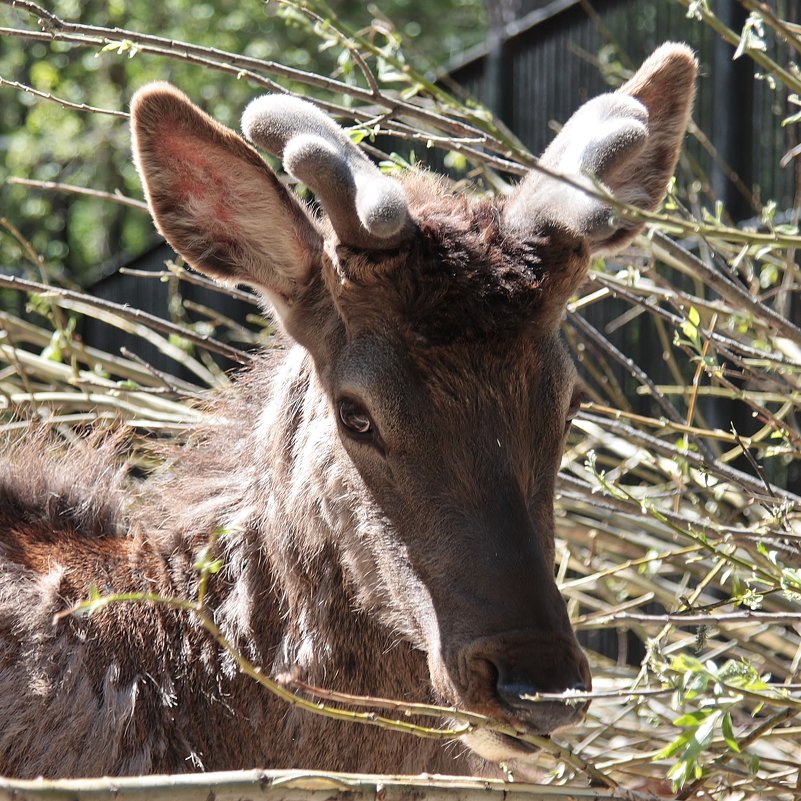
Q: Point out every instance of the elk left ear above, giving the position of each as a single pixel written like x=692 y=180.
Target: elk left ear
x=628 y=140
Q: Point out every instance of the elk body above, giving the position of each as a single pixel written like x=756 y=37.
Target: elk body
x=384 y=489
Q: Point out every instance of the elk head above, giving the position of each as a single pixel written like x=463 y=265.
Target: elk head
x=432 y=322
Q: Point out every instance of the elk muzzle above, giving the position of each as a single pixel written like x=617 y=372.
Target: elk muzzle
x=505 y=636
x=504 y=673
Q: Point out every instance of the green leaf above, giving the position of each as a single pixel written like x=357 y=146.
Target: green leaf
x=693 y=718
x=728 y=733
x=673 y=748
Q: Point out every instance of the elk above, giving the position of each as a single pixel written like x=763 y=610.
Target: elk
x=384 y=484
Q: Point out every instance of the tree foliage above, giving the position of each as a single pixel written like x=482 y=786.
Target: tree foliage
x=50 y=142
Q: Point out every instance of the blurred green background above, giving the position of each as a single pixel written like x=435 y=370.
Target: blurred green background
x=45 y=141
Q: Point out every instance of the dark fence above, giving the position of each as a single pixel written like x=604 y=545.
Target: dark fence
x=542 y=67
x=141 y=286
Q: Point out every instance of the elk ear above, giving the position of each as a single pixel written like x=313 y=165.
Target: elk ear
x=216 y=201
x=628 y=140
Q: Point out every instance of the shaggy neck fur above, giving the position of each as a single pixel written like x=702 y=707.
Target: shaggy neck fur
x=134 y=689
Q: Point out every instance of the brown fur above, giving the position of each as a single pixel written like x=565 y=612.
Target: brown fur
x=463 y=278
x=384 y=492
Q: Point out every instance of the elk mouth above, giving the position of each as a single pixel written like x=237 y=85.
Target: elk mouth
x=497 y=747
x=516 y=744
x=539 y=719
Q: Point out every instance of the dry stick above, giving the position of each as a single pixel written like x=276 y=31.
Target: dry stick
x=38 y=261
x=580 y=491
x=127 y=312
x=728 y=171
x=82 y=399
x=671 y=252
x=54 y=373
x=630 y=293
x=776 y=423
x=695 y=227
x=784 y=391
x=595 y=361
x=372 y=702
x=712 y=547
x=123 y=200
x=612 y=391
x=194 y=278
x=354 y=40
x=163 y=378
x=31 y=335
x=699 y=369
x=387 y=703
x=56 y=27
x=756 y=467
x=599 y=575
x=495 y=162
x=301 y=785
x=743 y=480
x=239 y=332
x=679 y=428
x=14 y=358
x=61 y=102
x=779 y=26
x=681 y=619
x=702 y=11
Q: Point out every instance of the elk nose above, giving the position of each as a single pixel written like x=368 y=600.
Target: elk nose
x=502 y=684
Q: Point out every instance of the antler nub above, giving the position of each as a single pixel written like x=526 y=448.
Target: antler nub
x=613 y=129
x=600 y=138
x=366 y=208
x=628 y=140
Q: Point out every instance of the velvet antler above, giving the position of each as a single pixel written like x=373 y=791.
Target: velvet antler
x=367 y=209
x=628 y=140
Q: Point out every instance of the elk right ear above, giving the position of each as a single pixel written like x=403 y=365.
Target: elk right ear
x=216 y=201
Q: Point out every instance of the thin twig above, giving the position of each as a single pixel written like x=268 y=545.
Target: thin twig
x=114 y=197
x=156 y=323
x=60 y=101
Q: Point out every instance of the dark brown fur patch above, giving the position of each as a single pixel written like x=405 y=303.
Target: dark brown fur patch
x=462 y=278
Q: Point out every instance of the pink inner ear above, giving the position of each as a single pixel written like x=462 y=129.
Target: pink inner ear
x=193 y=175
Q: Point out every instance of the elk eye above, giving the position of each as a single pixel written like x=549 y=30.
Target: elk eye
x=355 y=417
x=575 y=406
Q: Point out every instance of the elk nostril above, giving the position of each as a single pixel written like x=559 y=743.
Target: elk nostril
x=516 y=693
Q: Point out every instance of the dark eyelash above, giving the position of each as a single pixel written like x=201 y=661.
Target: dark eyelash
x=579 y=396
